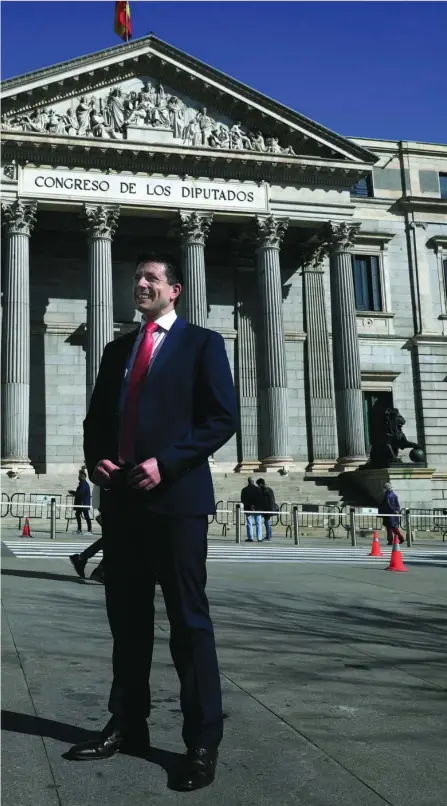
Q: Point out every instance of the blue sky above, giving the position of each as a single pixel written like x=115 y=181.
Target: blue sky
x=363 y=69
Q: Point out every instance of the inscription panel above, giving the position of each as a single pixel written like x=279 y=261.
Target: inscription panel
x=157 y=191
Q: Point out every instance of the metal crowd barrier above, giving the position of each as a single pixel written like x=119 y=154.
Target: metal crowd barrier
x=291 y=517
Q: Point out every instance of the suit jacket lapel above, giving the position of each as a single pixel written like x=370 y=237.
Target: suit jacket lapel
x=169 y=346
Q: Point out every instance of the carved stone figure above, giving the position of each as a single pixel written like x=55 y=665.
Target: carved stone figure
x=115 y=103
x=193 y=135
x=176 y=115
x=72 y=122
x=388 y=439
x=83 y=116
x=206 y=125
x=238 y=140
x=151 y=107
x=258 y=142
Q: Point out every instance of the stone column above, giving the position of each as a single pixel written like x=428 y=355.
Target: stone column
x=101 y=226
x=273 y=374
x=246 y=371
x=345 y=344
x=194 y=231
x=323 y=441
x=19 y=218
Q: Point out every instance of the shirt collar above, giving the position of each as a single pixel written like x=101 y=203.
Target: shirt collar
x=164 y=322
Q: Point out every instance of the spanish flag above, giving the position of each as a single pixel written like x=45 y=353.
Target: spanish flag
x=123 y=24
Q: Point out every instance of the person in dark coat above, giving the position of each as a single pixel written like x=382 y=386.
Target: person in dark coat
x=79 y=561
x=268 y=506
x=163 y=403
x=82 y=498
x=391 y=507
x=251 y=498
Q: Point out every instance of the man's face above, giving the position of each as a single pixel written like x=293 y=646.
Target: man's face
x=153 y=296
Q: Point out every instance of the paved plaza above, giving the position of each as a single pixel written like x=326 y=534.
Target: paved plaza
x=333 y=676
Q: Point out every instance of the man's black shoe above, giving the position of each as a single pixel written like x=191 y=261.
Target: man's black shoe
x=112 y=740
x=78 y=564
x=98 y=574
x=198 y=770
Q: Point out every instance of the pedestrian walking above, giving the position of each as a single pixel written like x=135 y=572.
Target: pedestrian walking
x=170 y=381
x=82 y=501
x=268 y=506
x=390 y=506
x=79 y=561
x=251 y=498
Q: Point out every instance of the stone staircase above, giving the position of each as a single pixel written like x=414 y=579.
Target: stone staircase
x=297 y=488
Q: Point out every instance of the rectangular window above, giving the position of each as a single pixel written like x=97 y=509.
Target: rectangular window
x=366 y=271
x=443 y=185
x=363 y=188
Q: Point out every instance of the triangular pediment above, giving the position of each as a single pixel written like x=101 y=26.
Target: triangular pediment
x=148 y=92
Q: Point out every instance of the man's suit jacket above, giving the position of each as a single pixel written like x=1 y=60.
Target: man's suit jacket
x=187 y=411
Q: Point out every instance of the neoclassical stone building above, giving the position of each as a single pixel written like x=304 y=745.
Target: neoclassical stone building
x=321 y=259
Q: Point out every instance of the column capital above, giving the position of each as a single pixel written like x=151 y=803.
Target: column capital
x=339 y=237
x=101 y=222
x=195 y=226
x=312 y=254
x=19 y=217
x=270 y=231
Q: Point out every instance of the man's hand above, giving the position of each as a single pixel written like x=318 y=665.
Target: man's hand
x=145 y=476
x=105 y=473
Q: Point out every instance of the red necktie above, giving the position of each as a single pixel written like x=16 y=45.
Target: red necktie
x=136 y=380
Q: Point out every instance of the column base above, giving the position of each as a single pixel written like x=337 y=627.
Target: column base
x=347 y=463
x=276 y=464
x=322 y=466
x=16 y=467
x=248 y=466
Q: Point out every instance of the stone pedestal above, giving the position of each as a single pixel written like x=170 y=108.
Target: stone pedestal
x=413 y=484
x=345 y=347
x=101 y=225
x=18 y=219
x=194 y=231
x=273 y=374
x=161 y=135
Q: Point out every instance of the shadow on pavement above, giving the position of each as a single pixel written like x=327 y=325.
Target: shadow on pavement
x=15 y=572
x=70 y=734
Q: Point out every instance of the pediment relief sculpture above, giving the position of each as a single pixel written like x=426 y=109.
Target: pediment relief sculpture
x=148 y=113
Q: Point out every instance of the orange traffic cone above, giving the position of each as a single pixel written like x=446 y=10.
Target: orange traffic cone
x=26 y=530
x=396 y=563
x=375 y=548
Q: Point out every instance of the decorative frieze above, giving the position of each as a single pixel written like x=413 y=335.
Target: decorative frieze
x=150 y=113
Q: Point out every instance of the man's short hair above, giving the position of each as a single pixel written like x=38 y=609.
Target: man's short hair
x=261 y=482
x=173 y=271
x=251 y=479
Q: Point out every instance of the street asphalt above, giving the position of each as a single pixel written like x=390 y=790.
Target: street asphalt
x=334 y=683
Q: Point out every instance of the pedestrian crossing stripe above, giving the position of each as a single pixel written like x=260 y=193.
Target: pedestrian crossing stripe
x=61 y=550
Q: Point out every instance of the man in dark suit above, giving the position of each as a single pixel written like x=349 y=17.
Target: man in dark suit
x=163 y=402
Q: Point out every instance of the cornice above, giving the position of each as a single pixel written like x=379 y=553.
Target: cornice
x=381 y=238
x=438 y=242
x=421 y=203
x=43 y=149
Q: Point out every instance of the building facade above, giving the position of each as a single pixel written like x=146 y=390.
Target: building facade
x=322 y=260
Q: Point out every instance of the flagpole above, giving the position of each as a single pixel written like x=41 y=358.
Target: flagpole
x=127 y=27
